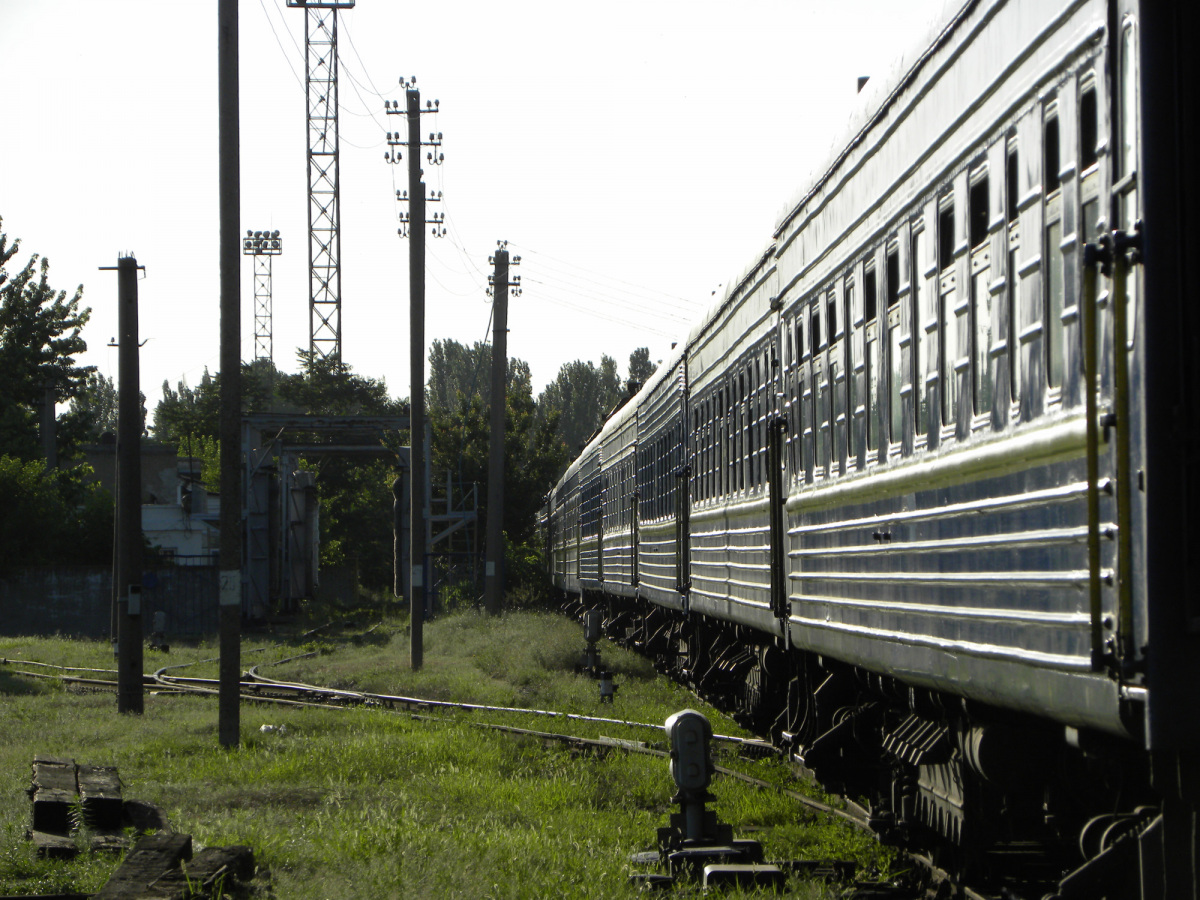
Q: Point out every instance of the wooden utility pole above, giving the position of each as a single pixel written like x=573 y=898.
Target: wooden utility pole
x=493 y=591
x=229 y=164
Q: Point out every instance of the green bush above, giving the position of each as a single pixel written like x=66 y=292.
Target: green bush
x=527 y=582
x=52 y=517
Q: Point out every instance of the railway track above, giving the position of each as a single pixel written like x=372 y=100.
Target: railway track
x=259 y=688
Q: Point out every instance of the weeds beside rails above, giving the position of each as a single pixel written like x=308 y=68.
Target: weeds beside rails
x=377 y=804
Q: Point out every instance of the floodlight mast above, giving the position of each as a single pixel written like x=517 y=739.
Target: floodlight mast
x=262 y=245
x=324 y=186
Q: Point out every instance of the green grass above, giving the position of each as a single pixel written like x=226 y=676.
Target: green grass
x=371 y=803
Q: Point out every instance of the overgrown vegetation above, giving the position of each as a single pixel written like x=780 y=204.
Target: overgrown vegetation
x=370 y=803
x=52 y=515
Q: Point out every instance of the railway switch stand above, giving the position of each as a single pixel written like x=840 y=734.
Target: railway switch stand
x=694 y=844
x=689 y=736
x=593 y=630
x=608 y=690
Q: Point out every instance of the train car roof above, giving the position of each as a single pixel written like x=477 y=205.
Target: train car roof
x=874 y=100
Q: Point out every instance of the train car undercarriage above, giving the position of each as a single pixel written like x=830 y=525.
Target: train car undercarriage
x=1004 y=800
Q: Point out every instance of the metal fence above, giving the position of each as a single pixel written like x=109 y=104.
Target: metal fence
x=457 y=581
x=186 y=592
x=77 y=600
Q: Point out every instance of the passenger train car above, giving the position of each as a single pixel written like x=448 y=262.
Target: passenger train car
x=919 y=492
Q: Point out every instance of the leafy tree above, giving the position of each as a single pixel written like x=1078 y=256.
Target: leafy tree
x=188 y=412
x=52 y=516
x=40 y=336
x=96 y=404
x=640 y=367
x=354 y=492
x=185 y=412
x=581 y=396
x=456 y=371
x=94 y=409
x=328 y=387
x=461 y=428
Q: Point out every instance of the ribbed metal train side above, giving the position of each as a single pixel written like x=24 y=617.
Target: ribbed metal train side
x=591 y=535
x=734 y=376
x=660 y=461
x=943 y=524
x=618 y=492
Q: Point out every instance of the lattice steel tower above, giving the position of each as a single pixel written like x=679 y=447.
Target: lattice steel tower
x=324 y=235
x=262 y=245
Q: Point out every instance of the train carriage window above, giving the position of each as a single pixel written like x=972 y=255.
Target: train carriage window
x=706 y=455
x=1052 y=161
x=895 y=351
x=763 y=371
x=978 y=203
x=1011 y=192
x=1127 y=112
x=981 y=297
x=837 y=416
x=820 y=418
x=869 y=295
x=752 y=424
x=921 y=314
x=1089 y=156
x=874 y=366
x=1013 y=280
x=851 y=392
x=1053 y=252
x=1089 y=128
x=727 y=457
x=709 y=433
x=797 y=393
x=741 y=432
x=948 y=302
x=764 y=410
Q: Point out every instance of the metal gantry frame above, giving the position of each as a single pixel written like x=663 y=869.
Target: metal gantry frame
x=324 y=235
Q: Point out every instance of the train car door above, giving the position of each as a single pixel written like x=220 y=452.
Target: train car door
x=634 y=533
x=683 y=506
x=602 y=504
x=776 y=434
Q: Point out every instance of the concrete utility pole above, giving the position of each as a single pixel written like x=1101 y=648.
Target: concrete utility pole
x=230 y=194
x=415 y=195
x=493 y=592
x=128 y=574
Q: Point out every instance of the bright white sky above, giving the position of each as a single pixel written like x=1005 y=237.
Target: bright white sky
x=635 y=154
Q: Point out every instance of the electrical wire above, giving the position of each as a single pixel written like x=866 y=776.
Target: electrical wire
x=605 y=307
x=683 y=302
x=596 y=313
x=623 y=300
x=373 y=89
x=286 y=58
